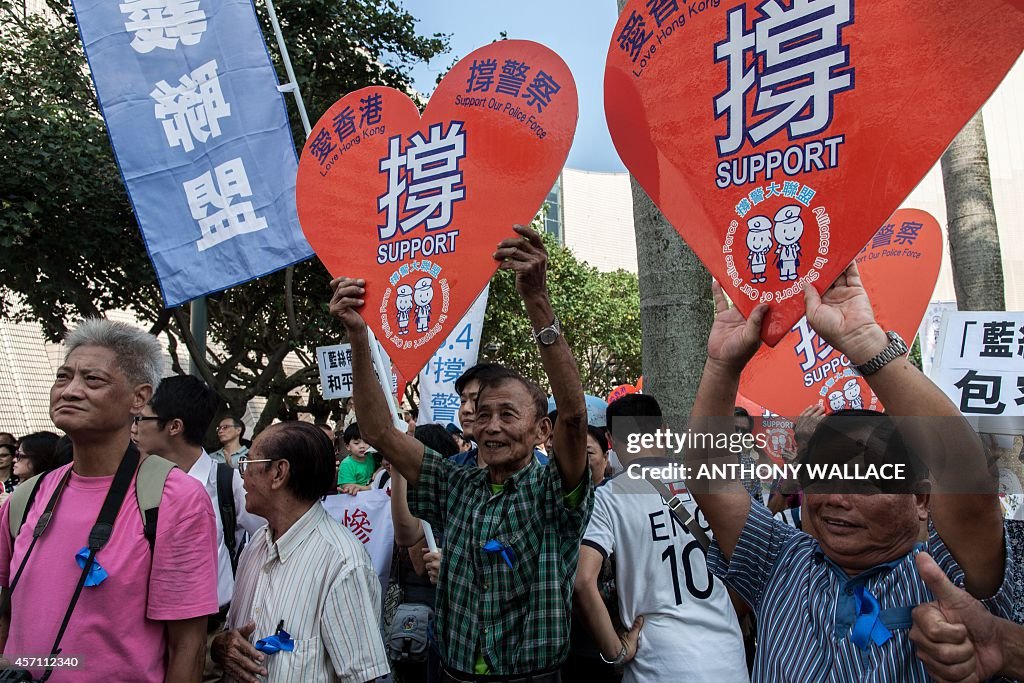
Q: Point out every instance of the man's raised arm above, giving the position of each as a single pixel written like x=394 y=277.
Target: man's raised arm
x=731 y=344
x=527 y=256
x=375 y=424
x=964 y=504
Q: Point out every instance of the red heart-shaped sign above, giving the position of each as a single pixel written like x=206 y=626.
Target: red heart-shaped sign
x=417 y=205
x=898 y=267
x=776 y=135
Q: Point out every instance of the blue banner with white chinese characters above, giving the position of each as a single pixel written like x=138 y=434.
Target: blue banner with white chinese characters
x=201 y=136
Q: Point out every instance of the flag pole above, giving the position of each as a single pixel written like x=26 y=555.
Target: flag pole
x=292 y=86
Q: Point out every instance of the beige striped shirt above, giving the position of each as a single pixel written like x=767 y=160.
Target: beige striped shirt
x=317 y=578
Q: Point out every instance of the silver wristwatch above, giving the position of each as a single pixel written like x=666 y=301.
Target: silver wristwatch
x=548 y=335
x=896 y=348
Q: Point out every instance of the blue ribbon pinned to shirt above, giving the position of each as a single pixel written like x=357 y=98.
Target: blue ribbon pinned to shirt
x=279 y=642
x=868 y=627
x=97 y=574
x=495 y=546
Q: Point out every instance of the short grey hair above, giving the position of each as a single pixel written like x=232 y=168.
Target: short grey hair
x=138 y=352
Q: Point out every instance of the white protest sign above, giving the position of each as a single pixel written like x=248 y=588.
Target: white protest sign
x=368 y=516
x=979 y=362
x=335 y=365
x=439 y=402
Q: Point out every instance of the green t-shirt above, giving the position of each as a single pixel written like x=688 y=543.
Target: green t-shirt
x=351 y=471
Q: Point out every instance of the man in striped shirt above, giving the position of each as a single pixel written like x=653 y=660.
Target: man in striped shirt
x=306 y=605
x=512 y=530
x=834 y=603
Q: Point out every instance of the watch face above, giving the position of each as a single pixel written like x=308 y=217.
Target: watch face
x=547 y=336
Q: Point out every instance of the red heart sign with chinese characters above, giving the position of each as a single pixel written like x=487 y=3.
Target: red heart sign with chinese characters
x=777 y=135
x=417 y=205
x=899 y=267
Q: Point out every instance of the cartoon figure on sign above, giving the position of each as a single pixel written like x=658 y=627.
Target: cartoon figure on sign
x=788 y=231
x=836 y=401
x=424 y=294
x=759 y=242
x=851 y=390
x=403 y=302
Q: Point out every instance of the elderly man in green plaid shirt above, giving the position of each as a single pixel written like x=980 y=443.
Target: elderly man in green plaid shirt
x=512 y=530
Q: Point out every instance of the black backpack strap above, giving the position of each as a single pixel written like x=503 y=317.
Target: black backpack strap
x=228 y=514
x=100 y=534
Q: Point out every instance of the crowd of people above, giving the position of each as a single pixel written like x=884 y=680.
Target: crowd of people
x=527 y=550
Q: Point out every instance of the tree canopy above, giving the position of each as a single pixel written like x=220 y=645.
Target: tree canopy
x=70 y=246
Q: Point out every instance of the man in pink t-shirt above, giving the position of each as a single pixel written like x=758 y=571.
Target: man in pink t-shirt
x=147 y=620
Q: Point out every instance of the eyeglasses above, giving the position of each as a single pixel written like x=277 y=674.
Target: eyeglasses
x=244 y=462
x=221 y=428
x=136 y=419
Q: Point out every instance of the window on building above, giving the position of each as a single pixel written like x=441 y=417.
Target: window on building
x=552 y=211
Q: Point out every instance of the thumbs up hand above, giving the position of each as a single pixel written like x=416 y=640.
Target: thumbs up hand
x=957 y=639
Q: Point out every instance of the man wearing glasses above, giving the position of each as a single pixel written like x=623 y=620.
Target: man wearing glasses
x=172 y=425
x=306 y=605
x=230 y=432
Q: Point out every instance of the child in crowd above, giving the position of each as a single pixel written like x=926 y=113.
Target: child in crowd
x=356 y=470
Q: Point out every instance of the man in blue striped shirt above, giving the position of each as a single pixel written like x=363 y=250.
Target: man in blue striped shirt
x=834 y=603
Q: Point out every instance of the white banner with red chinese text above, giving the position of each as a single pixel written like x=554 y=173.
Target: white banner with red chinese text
x=368 y=516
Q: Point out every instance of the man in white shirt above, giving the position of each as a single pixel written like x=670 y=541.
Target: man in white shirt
x=688 y=624
x=172 y=425
x=307 y=599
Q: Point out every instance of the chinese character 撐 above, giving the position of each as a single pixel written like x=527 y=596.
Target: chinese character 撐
x=192 y=110
x=996 y=339
x=227 y=220
x=481 y=75
x=370 y=109
x=883 y=237
x=162 y=23
x=322 y=146
x=795 y=58
x=633 y=36
x=980 y=393
x=539 y=92
x=344 y=124
x=448 y=369
x=427 y=176
x=743 y=208
x=511 y=78
x=810 y=349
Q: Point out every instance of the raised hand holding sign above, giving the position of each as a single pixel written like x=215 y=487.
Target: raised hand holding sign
x=417 y=206
x=899 y=267
x=776 y=136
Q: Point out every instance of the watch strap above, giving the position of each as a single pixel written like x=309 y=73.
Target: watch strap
x=893 y=350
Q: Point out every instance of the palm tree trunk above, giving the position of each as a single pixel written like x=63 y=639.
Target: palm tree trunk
x=973 y=236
